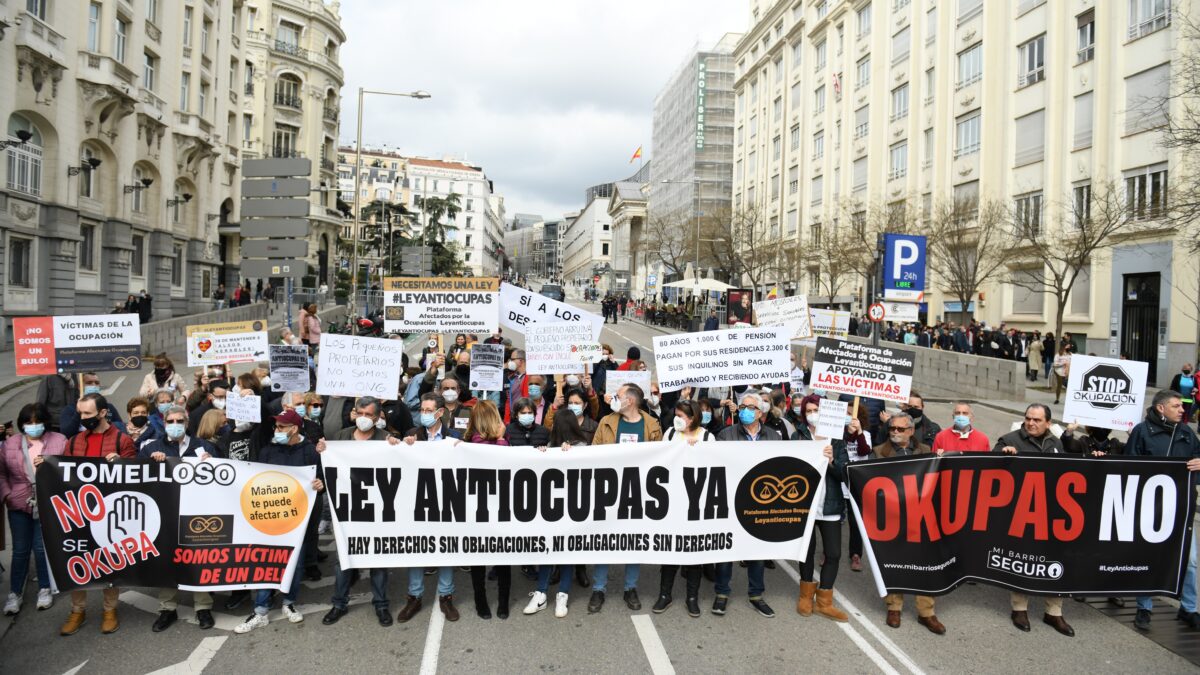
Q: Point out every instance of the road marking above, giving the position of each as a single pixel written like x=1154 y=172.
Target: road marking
x=76 y=669
x=656 y=654
x=113 y=387
x=197 y=661
x=851 y=609
x=867 y=649
x=433 y=642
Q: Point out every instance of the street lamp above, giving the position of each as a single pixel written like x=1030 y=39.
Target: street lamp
x=419 y=94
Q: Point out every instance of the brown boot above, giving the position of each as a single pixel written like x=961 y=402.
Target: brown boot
x=410 y=609
x=73 y=623
x=824 y=606
x=446 y=602
x=109 y=623
x=804 y=604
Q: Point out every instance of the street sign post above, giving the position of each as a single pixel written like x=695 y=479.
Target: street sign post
x=276 y=207
x=280 y=187
x=275 y=227
x=275 y=248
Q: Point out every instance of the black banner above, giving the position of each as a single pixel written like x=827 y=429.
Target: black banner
x=1055 y=525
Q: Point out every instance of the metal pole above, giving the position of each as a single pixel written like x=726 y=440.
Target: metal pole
x=290 y=289
x=357 y=180
x=876 y=284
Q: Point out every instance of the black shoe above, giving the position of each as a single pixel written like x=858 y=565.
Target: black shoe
x=483 y=610
x=204 y=617
x=530 y=572
x=596 y=603
x=719 y=604
x=322 y=556
x=502 y=611
x=693 y=606
x=384 y=615
x=1141 y=620
x=582 y=577
x=632 y=601
x=769 y=564
x=312 y=573
x=235 y=600
x=164 y=620
x=661 y=605
x=1116 y=602
x=334 y=615
x=762 y=607
x=430 y=571
x=1190 y=619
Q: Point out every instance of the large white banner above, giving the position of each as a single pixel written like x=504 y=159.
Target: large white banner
x=442 y=503
x=1105 y=393
x=348 y=365
x=789 y=311
x=520 y=309
x=440 y=304
x=723 y=357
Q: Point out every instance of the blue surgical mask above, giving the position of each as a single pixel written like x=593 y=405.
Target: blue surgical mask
x=92 y=389
x=847 y=423
x=746 y=416
x=706 y=417
x=300 y=410
x=575 y=408
x=175 y=431
x=428 y=419
x=35 y=430
x=962 y=421
x=314 y=413
x=819 y=392
x=280 y=438
x=163 y=408
x=535 y=391
x=798 y=410
x=526 y=419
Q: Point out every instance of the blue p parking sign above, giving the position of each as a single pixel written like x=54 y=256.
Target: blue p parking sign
x=903 y=267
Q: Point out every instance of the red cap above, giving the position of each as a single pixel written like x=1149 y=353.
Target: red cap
x=290 y=418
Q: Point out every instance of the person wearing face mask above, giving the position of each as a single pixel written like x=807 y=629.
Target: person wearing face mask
x=1093 y=442
x=69 y=421
x=537 y=388
x=57 y=392
x=163 y=399
x=99 y=438
x=431 y=425
x=240 y=440
x=458 y=411
x=287 y=448
x=177 y=443
x=685 y=426
x=794 y=415
x=582 y=384
x=600 y=369
x=574 y=425
x=139 y=428
x=524 y=429
x=20 y=456
x=487 y=428
x=1184 y=383
x=962 y=436
x=926 y=430
x=314 y=407
x=709 y=419
x=163 y=377
x=517 y=386
x=217 y=391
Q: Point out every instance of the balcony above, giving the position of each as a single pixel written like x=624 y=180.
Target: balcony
x=288 y=100
x=38 y=37
x=963 y=84
x=291 y=49
x=1031 y=77
x=283 y=151
x=328 y=165
x=249 y=89
x=331 y=113
x=1150 y=25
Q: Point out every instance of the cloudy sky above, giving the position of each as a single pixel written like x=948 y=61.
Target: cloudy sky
x=548 y=96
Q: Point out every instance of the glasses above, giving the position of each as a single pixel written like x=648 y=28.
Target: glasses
x=655 y=393
x=747 y=407
x=899 y=428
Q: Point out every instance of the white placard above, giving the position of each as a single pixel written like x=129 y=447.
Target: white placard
x=831 y=419
x=1105 y=393
x=553 y=348
x=440 y=304
x=243 y=408
x=615 y=379
x=789 y=311
x=487 y=367
x=349 y=365
x=289 y=368
x=211 y=349
x=827 y=323
x=520 y=309
x=97 y=330
x=900 y=311
x=862 y=370
x=723 y=357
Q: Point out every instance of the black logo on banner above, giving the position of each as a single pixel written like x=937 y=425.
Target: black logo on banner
x=205 y=530
x=774 y=498
x=1107 y=387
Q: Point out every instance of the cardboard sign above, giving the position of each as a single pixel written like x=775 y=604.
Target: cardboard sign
x=862 y=370
x=441 y=304
x=289 y=368
x=615 y=379
x=45 y=345
x=349 y=365
x=790 y=311
x=1105 y=393
x=487 y=367
x=553 y=348
x=244 y=408
x=218 y=343
x=723 y=357
x=827 y=323
x=831 y=419
x=520 y=309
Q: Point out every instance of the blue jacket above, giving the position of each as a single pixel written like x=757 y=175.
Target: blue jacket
x=195 y=448
x=1156 y=438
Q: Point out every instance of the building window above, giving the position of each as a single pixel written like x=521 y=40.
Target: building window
x=862 y=72
x=24 y=159
x=793 y=180
x=1147 y=16
x=795 y=137
x=202 y=104
x=205 y=30
x=137 y=262
x=753 y=126
x=929 y=145
x=1031 y=59
x=797 y=53
x=185 y=91
x=970 y=66
x=819 y=52
x=603 y=249
x=818 y=145
x=1083 y=121
x=1086 y=36
x=898 y=155
x=1028 y=296
x=864 y=20
x=287 y=91
x=862 y=122
x=187 y=26
x=900 y=102
x=1027 y=215
x=819 y=100
x=1082 y=204
x=152 y=10
x=792 y=220
x=1146 y=191
x=1030 y=138
x=777 y=108
x=1081 y=292
x=121 y=39
x=968 y=9
x=93 y=33
x=752 y=162
x=138 y=199
x=468 y=226
x=930 y=85
x=814 y=234
x=775 y=187
x=247 y=126
x=778 y=65
x=777 y=148
x=822 y=9
x=901 y=45
x=149 y=71
x=1146 y=96
x=87 y=182
x=20 y=260
x=87 y=248
x=177 y=266
x=931 y=25
x=284 y=141
x=36 y=8
x=818 y=190
x=966 y=134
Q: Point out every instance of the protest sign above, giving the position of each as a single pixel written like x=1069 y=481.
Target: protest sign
x=730 y=357
x=740 y=308
x=487 y=367
x=789 y=311
x=520 y=309
x=1105 y=393
x=827 y=323
x=661 y=503
x=289 y=368
x=862 y=370
x=196 y=525
x=900 y=311
x=553 y=348
x=220 y=343
x=615 y=379
x=441 y=304
x=243 y=408
x=45 y=345
x=1100 y=526
x=349 y=365
x=831 y=419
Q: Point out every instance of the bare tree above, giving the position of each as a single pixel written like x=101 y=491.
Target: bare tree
x=968 y=243
x=832 y=252
x=1086 y=224
x=1182 y=111
x=669 y=238
x=749 y=250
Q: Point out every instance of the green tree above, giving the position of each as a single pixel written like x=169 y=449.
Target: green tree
x=446 y=261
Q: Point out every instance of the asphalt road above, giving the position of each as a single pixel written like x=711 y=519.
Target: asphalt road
x=980 y=637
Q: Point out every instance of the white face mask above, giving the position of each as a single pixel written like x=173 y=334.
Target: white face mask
x=512 y=365
x=653 y=400
x=573 y=380
x=451 y=395
x=380 y=423
x=681 y=424
x=364 y=423
x=615 y=404
x=219 y=403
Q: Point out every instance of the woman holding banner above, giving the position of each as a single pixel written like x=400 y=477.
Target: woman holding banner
x=487 y=428
x=575 y=426
x=828 y=517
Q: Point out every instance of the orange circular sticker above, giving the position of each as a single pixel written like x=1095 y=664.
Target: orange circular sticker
x=274 y=503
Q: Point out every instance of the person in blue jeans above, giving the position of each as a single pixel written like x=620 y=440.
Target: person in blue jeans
x=537 y=599
x=601 y=583
x=416 y=589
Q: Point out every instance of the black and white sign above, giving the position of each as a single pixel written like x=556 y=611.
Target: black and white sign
x=788 y=311
x=831 y=418
x=723 y=357
x=349 y=365
x=827 y=323
x=487 y=367
x=1105 y=393
x=440 y=304
x=862 y=370
x=289 y=368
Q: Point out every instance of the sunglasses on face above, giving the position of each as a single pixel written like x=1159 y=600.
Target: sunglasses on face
x=899 y=428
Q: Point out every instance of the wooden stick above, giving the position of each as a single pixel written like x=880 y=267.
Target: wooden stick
x=854 y=410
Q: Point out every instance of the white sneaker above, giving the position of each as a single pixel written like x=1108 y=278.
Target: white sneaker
x=537 y=602
x=560 y=605
x=256 y=621
x=289 y=610
x=45 y=599
x=13 y=605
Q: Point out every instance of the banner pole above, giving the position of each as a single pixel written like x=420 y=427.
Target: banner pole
x=854 y=410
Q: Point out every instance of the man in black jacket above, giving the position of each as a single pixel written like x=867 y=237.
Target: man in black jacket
x=56 y=392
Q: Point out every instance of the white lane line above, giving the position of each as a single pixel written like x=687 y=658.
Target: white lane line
x=197 y=661
x=113 y=387
x=656 y=654
x=433 y=642
x=851 y=609
x=867 y=649
x=76 y=669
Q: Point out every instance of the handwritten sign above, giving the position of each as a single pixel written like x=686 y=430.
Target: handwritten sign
x=349 y=365
x=790 y=311
x=831 y=418
x=615 y=379
x=520 y=309
x=244 y=408
x=553 y=348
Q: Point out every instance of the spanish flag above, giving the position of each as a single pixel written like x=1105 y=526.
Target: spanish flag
x=637 y=154
x=773 y=294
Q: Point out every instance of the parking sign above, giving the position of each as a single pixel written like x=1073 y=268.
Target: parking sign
x=904 y=267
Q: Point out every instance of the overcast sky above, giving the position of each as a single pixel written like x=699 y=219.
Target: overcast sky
x=548 y=96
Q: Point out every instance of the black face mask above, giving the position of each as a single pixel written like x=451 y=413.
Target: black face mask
x=139 y=421
x=1187 y=371
x=90 y=423
x=916 y=414
x=463 y=371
